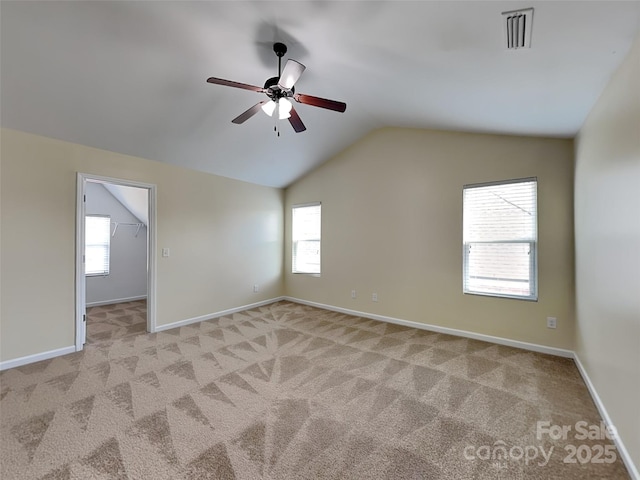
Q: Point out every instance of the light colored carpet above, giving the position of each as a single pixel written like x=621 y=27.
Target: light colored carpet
x=288 y=391
x=114 y=321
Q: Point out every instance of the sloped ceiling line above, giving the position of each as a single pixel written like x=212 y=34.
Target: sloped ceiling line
x=130 y=77
x=134 y=199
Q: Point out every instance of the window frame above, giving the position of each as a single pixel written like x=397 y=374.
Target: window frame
x=533 y=246
x=294 y=242
x=102 y=273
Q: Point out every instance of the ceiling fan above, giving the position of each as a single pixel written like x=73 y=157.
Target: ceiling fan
x=279 y=90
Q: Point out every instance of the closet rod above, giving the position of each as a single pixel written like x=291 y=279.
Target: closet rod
x=117 y=224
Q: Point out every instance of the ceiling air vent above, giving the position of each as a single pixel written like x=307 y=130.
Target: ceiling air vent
x=517 y=28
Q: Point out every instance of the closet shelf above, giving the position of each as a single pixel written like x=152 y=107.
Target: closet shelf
x=119 y=224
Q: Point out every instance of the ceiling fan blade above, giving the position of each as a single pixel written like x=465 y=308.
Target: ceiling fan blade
x=295 y=121
x=290 y=74
x=229 y=83
x=320 y=102
x=243 y=117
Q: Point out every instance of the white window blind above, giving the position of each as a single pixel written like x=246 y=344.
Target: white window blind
x=97 y=241
x=500 y=236
x=305 y=236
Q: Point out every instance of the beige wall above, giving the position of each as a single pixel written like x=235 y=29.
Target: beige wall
x=607 y=222
x=392 y=224
x=224 y=235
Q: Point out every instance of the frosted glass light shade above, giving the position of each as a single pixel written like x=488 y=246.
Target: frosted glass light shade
x=269 y=107
x=283 y=107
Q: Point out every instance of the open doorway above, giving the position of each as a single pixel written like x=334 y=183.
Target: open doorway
x=115 y=268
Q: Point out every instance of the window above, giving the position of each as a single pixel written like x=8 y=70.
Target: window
x=305 y=236
x=500 y=238
x=97 y=236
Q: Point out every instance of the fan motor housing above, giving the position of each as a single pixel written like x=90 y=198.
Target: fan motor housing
x=280 y=49
x=274 y=91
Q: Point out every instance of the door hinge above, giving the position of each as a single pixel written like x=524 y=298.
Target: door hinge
x=84 y=318
x=83 y=259
x=84 y=198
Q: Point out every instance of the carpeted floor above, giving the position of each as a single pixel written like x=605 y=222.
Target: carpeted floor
x=111 y=322
x=288 y=391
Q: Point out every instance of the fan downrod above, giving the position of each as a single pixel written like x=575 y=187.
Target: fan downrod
x=276 y=93
x=280 y=49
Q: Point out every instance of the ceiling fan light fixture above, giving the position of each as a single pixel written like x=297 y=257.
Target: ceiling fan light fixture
x=284 y=108
x=269 y=107
x=279 y=91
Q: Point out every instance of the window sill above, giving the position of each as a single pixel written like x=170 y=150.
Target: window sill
x=497 y=295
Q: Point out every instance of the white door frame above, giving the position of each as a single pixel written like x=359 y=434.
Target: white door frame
x=81 y=299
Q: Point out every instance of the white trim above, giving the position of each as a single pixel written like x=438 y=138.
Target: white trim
x=534 y=347
x=82 y=178
x=36 y=357
x=309 y=204
x=17 y=362
x=624 y=454
x=209 y=316
x=152 y=232
x=116 y=300
x=80 y=279
x=626 y=458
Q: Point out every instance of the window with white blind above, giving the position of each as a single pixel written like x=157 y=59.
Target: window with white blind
x=305 y=236
x=500 y=235
x=97 y=244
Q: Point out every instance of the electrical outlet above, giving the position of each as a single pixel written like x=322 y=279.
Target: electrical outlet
x=551 y=322
x=353 y=294
x=256 y=289
x=374 y=297
x=165 y=252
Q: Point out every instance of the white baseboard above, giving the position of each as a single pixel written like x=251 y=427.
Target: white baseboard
x=116 y=300
x=559 y=352
x=18 y=362
x=209 y=316
x=624 y=454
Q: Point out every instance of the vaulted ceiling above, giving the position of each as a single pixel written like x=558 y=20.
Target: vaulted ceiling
x=130 y=76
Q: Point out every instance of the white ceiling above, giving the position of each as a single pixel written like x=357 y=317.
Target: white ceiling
x=134 y=199
x=130 y=76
